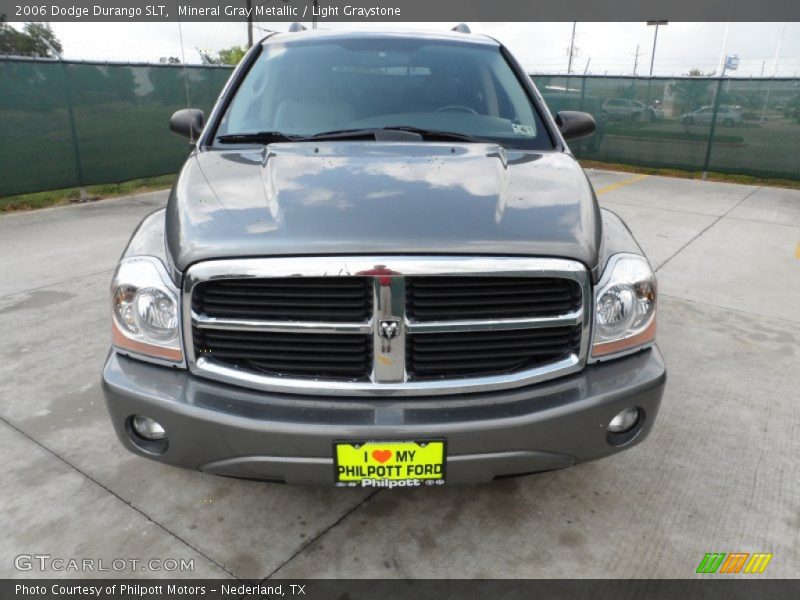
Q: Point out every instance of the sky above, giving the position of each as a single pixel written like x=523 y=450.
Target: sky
x=540 y=47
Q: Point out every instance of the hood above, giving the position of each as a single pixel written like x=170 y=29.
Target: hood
x=295 y=199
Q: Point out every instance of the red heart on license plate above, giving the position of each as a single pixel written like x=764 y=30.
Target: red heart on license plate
x=381 y=455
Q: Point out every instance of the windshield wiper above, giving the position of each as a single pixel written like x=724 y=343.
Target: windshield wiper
x=370 y=133
x=436 y=134
x=385 y=133
x=399 y=133
x=262 y=137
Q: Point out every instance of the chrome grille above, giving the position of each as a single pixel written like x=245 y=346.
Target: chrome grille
x=386 y=325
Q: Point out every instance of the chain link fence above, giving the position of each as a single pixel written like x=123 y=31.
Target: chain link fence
x=67 y=124
x=743 y=126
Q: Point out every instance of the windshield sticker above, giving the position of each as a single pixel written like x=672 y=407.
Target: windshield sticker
x=527 y=130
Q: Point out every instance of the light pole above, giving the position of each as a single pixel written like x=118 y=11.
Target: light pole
x=571 y=48
x=636 y=59
x=655 y=41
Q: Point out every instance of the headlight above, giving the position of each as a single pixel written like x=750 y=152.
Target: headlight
x=625 y=306
x=145 y=310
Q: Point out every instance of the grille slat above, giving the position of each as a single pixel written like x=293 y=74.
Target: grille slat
x=473 y=312
x=293 y=283
x=549 y=299
x=244 y=293
x=477 y=292
x=265 y=357
x=213 y=303
x=434 y=349
x=275 y=314
x=305 y=370
x=446 y=298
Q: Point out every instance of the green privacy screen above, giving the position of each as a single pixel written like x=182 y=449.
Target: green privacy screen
x=748 y=126
x=119 y=126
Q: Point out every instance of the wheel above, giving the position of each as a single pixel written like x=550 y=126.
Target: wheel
x=688 y=120
x=457 y=108
x=637 y=116
x=728 y=122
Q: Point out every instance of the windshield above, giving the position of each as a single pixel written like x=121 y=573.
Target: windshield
x=309 y=88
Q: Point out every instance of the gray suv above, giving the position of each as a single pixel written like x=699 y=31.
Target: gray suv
x=381 y=266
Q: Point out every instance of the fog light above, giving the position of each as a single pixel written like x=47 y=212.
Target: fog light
x=148 y=428
x=624 y=420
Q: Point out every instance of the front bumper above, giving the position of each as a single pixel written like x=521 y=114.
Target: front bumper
x=238 y=432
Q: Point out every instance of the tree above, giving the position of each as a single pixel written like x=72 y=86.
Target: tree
x=35 y=39
x=226 y=56
x=692 y=94
x=232 y=55
x=169 y=60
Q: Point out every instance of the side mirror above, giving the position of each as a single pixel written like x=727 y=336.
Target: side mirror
x=575 y=125
x=187 y=122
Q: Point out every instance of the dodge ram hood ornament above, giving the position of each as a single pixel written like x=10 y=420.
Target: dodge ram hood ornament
x=389 y=329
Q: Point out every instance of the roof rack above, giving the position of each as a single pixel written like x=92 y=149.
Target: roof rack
x=295 y=27
x=461 y=28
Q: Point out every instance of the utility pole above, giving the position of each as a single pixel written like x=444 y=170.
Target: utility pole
x=636 y=60
x=655 y=41
x=778 y=52
x=571 y=48
x=724 y=50
x=249 y=23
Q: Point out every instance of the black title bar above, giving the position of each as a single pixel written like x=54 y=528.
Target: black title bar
x=707 y=587
x=399 y=10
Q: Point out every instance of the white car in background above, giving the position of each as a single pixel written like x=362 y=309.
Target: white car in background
x=620 y=109
x=727 y=116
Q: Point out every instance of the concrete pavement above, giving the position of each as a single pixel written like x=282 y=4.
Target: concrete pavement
x=719 y=472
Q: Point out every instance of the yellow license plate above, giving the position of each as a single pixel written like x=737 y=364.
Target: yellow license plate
x=389 y=464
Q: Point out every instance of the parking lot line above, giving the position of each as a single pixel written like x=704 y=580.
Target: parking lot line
x=615 y=186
